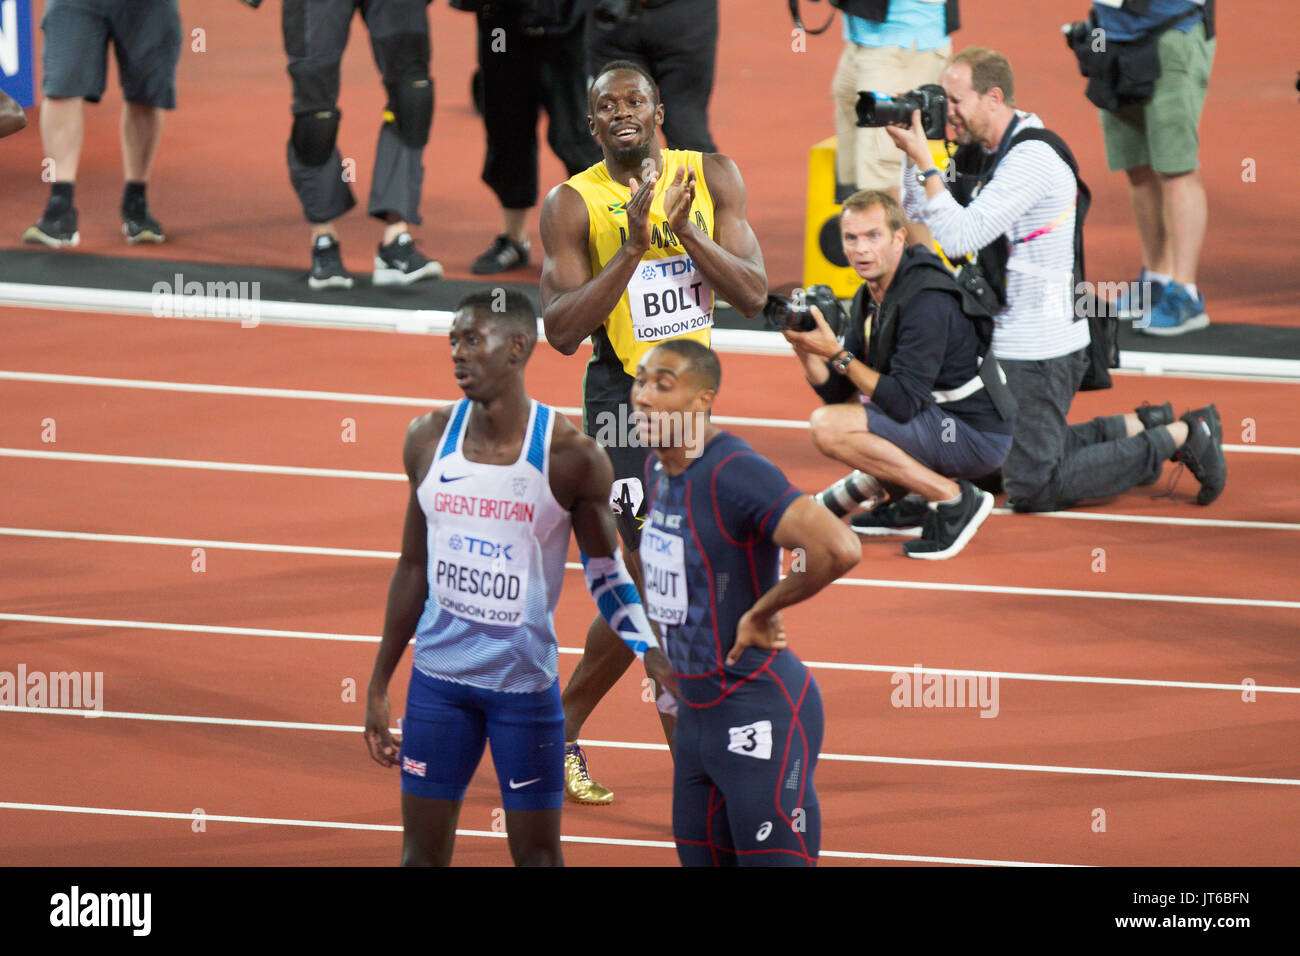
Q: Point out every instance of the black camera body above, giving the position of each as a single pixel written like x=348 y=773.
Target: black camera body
x=879 y=109
x=612 y=13
x=1078 y=34
x=781 y=313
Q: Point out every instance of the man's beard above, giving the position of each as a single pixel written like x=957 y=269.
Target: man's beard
x=631 y=156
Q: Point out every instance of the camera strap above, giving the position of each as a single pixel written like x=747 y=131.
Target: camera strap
x=990 y=377
x=1003 y=147
x=798 y=21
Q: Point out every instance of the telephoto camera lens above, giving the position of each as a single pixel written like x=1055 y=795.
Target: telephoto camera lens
x=857 y=490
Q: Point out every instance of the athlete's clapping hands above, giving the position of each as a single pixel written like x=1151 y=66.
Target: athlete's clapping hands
x=678 y=198
x=638 y=210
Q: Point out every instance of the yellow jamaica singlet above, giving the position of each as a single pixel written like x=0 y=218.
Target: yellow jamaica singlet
x=667 y=297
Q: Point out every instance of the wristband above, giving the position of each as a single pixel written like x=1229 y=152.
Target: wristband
x=618 y=601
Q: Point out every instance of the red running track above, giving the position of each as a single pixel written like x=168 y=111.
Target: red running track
x=1005 y=799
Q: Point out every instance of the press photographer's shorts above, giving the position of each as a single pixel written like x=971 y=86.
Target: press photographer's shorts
x=1162 y=133
x=941 y=441
x=146 y=37
x=610 y=424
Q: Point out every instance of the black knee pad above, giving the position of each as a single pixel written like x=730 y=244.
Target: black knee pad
x=314 y=135
x=404 y=59
x=410 y=103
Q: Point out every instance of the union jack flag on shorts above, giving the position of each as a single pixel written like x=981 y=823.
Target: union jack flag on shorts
x=416 y=768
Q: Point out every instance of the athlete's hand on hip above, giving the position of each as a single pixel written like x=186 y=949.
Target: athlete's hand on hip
x=638 y=211
x=383 y=748
x=678 y=198
x=757 y=630
x=660 y=671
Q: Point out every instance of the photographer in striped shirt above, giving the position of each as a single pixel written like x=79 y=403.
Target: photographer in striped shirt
x=1020 y=208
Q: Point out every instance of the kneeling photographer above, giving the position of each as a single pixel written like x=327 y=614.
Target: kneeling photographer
x=915 y=400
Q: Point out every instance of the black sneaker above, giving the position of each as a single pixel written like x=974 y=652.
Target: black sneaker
x=57 y=230
x=400 y=263
x=947 y=528
x=503 y=255
x=1153 y=416
x=901 y=517
x=1203 y=452
x=139 y=226
x=327 y=270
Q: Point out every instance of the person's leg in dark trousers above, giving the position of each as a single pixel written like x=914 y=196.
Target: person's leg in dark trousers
x=682 y=47
x=1101 y=459
x=399 y=38
x=1103 y=429
x=315 y=35
x=509 y=66
x=510 y=108
x=563 y=86
x=604 y=45
x=1052 y=465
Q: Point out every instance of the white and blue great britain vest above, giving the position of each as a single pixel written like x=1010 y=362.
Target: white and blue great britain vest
x=497 y=542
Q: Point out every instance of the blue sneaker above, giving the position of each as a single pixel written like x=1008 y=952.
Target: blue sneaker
x=1176 y=313
x=1141 y=296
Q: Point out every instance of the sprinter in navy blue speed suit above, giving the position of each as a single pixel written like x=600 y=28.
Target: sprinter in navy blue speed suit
x=747 y=740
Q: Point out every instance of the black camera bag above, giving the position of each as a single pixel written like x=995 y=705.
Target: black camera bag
x=1120 y=73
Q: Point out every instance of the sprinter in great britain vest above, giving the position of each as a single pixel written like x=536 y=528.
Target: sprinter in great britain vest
x=497 y=542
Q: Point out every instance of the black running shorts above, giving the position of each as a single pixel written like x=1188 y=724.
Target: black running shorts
x=146 y=37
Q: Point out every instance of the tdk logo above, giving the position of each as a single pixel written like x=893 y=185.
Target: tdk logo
x=482 y=547
x=660 y=545
x=676 y=266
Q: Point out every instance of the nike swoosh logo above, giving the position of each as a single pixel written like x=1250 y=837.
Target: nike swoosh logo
x=457 y=478
x=516 y=786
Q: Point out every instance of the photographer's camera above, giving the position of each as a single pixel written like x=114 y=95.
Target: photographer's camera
x=879 y=109
x=782 y=314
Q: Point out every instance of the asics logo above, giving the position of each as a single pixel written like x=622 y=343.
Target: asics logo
x=764 y=831
x=516 y=786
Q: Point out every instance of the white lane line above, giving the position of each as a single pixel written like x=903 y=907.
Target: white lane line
x=353 y=398
x=847 y=581
x=488 y=834
x=1156 y=519
x=188 y=628
x=632 y=745
x=201 y=465
x=437 y=322
x=820 y=665
x=986 y=765
x=198 y=388
x=200 y=543
x=363 y=398
x=1069 y=593
x=204 y=465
